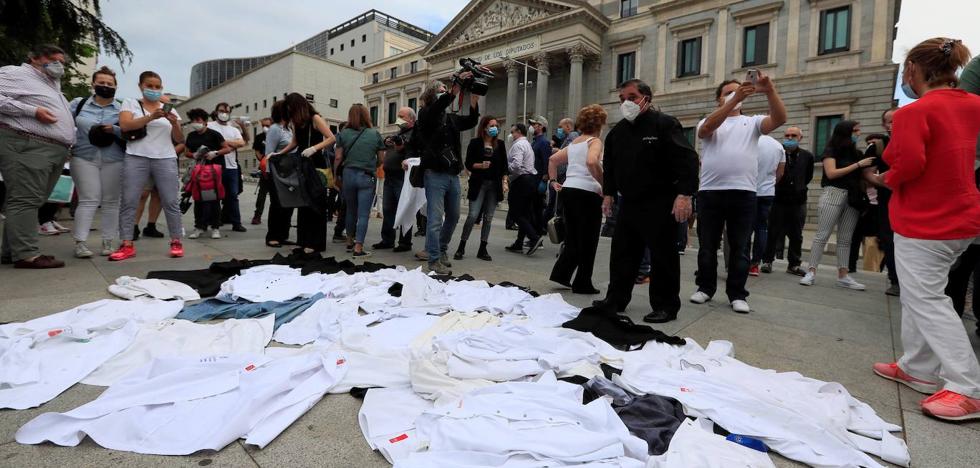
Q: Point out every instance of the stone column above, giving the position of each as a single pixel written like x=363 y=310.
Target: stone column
x=576 y=55
x=793 y=39
x=541 y=90
x=721 y=41
x=512 y=80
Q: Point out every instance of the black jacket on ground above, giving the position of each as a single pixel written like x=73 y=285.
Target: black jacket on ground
x=435 y=130
x=649 y=158
x=792 y=188
x=496 y=173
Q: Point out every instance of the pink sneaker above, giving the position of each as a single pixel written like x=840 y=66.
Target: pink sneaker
x=891 y=371
x=951 y=406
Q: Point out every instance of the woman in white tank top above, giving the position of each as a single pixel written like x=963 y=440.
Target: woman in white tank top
x=581 y=199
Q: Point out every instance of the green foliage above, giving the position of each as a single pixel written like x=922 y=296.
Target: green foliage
x=74 y=25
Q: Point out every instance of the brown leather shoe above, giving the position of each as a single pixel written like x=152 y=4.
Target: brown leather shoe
x=39 y=263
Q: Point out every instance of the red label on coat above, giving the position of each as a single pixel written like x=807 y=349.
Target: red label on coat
x=54 y=333
x=341 y=361
x=250 y=368
x=398 y=439
x=686 y=390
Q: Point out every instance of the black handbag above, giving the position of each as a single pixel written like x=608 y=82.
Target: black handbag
x=858 y=198
x=139 y=133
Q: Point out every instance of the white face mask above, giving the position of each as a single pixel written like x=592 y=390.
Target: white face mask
x=196 y=126
x=630 y=110
x=223 y=116
x=265 y=128
x=731 y=96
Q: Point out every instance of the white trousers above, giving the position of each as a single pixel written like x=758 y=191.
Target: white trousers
x=933 y=337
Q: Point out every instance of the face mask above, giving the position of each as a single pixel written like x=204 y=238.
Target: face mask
x=105 y=92
x=265 y=128
x=493 y=132
x=223 y=116
x=854 y=139
x=731 y=96
x=909 y=92
x=196 y=126
x=561 y=133
x=152 y=95
x=630 y=110
x=400 y=122
x=54 y=69
x=790 y=144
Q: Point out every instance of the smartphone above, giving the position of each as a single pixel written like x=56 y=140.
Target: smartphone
x=168 y=107
x=752 y=76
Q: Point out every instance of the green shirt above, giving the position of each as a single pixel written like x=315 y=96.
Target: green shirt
x=970 y=81
x=360 y=152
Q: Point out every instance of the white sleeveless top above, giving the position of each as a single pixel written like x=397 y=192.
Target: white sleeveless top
x=578 y=175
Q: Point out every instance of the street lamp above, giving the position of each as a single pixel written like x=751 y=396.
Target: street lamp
x=526 y=82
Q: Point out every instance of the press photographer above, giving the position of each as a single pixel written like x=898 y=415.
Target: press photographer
x=437 y=142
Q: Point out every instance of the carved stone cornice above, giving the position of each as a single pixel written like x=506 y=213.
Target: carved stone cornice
x=541 y=62
x=577 y=52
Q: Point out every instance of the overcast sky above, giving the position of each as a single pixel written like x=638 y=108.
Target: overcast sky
x=171 y=37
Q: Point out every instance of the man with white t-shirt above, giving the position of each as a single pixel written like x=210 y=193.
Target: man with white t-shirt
x=772 y=163
x=729 y=173
x=231 y=173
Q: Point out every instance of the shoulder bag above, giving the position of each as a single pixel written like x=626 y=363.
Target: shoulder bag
x=139 y=133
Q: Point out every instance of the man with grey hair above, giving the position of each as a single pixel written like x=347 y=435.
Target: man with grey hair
x=398 y=152
x=36 y=133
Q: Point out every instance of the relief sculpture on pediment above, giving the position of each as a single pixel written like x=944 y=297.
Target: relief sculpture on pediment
x=498 y=17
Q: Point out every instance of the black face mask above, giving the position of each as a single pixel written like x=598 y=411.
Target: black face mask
x=105 y=92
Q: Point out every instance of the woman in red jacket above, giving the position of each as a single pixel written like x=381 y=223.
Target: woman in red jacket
x=935 y=213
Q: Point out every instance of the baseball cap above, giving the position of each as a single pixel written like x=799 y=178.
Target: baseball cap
x=538 y=120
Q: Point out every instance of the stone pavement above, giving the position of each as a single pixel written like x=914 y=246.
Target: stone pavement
x=822 y=331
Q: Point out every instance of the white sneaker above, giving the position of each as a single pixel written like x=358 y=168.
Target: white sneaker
x=215 y=234
x=82 y=250
x=808 y=279
x=59 y=227
x=48 y=229
x=849 y=283
x=195 y=234
x=740 y=306
x=107 y=247
x=700 y=298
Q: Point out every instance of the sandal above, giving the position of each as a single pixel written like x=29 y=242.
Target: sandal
x=273 y=244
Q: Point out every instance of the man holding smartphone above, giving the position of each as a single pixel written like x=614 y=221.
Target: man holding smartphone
x=729 y=173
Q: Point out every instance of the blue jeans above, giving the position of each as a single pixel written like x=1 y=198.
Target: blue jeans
x=230 y=178
x=442 y=192
x=485 y=205
x=359 y=194
x=763 y=205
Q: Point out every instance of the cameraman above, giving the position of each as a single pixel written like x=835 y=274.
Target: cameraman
x=398 y=152
x=437 y=142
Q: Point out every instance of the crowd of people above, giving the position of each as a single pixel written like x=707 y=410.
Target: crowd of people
x=914 y=188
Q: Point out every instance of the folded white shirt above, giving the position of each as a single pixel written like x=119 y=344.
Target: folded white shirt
x=387 y=420
x=128 y=287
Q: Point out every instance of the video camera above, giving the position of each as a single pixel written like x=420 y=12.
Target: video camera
x=394 y=140
x=479 y=83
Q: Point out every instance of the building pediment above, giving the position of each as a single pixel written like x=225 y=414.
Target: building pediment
x=486 y=21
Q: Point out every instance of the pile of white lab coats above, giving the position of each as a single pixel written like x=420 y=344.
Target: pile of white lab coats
x=460 y=374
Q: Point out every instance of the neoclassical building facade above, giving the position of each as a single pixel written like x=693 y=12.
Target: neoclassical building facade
x=831 y=59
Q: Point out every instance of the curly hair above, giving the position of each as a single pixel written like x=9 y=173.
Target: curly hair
x=591 y=119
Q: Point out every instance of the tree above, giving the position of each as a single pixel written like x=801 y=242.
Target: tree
x=74 y=25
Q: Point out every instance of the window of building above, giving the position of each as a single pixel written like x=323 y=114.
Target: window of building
x=331 y=51
x=273 y=100
x=246 y=108
x=341 y=47
x=374 y=78
x=363 y=37
x=333 y=129
x=256 y=105
x=627 y=8
x=374 y=115
x=264 y=102
x=393 y=72
x=413 y=103
x=392 y=112
x=825 y=128
x=626 y=67
x=334 y=103
x=835 y=30
x=352 y=43
x=689 y=57
x=352 y=62
x=690 y=134
x=756 y=45
x=363 y=58
x=309 y=97
x=414 y=66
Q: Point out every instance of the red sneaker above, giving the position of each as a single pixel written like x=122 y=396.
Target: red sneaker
x=891 y=371
x=951 y=406
x=125 y=251
x=176 y=249
x=754 y=270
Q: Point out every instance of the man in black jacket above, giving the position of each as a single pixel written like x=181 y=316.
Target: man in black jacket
x=437 y=141
x=650 y=163
x=789 y=206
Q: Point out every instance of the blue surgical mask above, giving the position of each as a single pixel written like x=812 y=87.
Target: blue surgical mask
x=493 y=132
x=152 y=95
x=790 y=144
x=854 y=139
x=909 y=92
x=560 y=133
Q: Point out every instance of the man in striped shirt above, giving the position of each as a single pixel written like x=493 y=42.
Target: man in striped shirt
x=36 y=133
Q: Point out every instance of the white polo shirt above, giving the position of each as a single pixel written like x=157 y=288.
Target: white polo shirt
x=729 y=157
